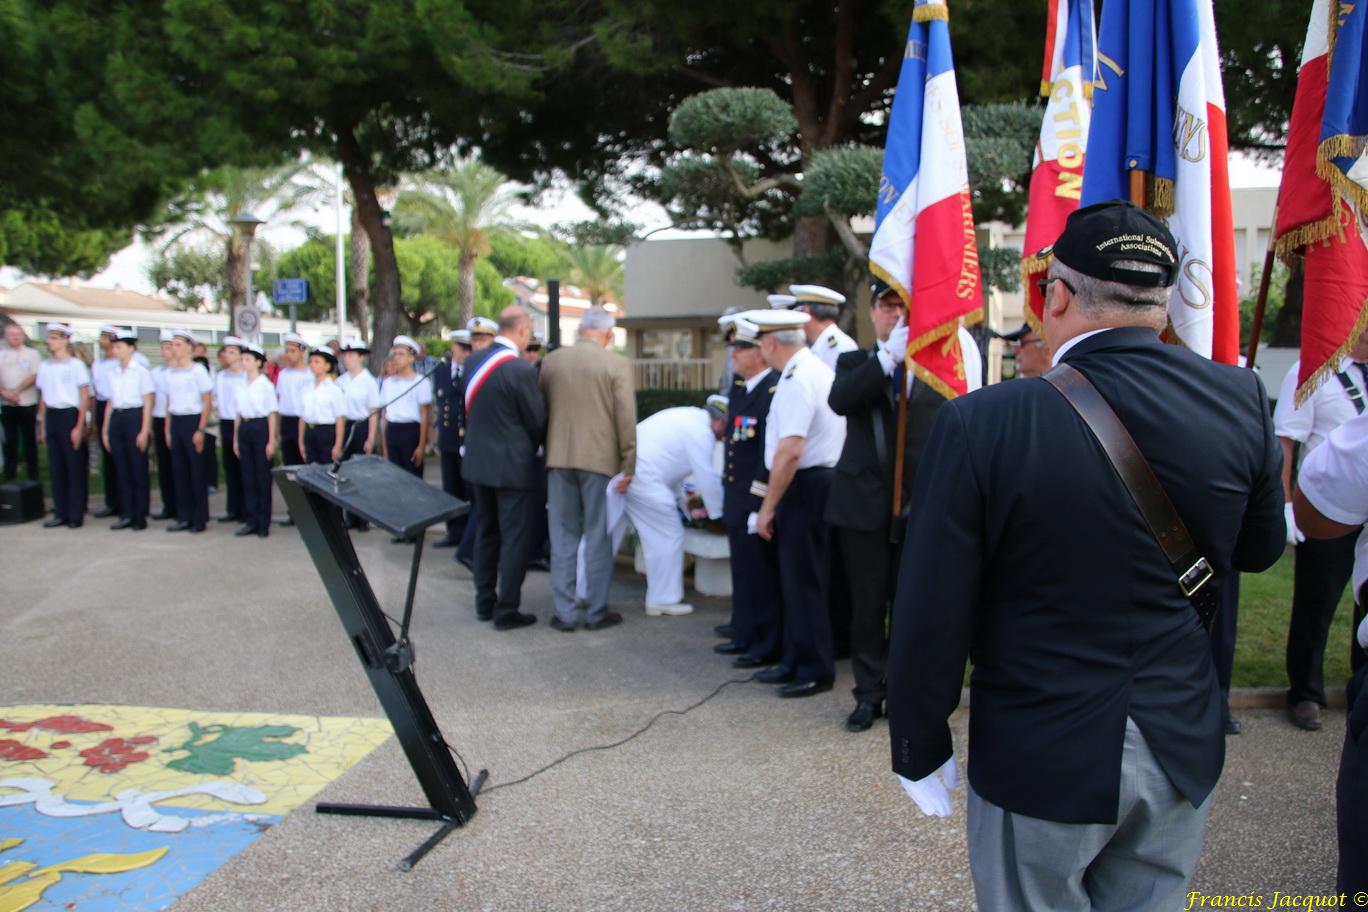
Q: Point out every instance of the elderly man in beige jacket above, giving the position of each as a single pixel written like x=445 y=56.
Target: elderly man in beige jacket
x=591 y=437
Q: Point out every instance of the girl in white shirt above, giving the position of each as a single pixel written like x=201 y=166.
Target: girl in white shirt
x=255 y=436
x=362 y=392
x=322 y=423
x=63 y=399
x=409 y=399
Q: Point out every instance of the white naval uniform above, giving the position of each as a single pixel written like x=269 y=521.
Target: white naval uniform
x=1330 y=406
x=291 y=384
x=799 y=409
x=362 y=392
x=228 y=386
x=672 y=445
x=831 y=344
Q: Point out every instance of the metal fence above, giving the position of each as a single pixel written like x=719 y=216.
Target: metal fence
x=675 y=373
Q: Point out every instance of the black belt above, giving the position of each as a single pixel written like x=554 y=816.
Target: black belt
x=312 y=426
x=246 y=420
x=131 y=408
x=402 y=423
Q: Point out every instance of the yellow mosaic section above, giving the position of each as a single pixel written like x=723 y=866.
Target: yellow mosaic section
x=332 y=745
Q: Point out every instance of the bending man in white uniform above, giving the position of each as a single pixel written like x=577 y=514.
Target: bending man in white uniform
x=672 y=445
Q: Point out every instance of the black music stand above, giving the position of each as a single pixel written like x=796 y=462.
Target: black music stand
x=404 y=505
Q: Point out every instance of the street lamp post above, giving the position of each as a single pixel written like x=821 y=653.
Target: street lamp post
x=246 y=319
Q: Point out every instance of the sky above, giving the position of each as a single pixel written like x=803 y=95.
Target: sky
x=128 y=267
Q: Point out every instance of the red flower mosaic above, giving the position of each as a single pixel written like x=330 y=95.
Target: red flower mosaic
x=115 y=754
x=11 y=749
x=66 y=725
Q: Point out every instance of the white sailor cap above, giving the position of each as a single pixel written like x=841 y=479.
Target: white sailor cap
x=717 y=405
x=354 y=344
x=482 y=326
x=773 y=320
x=126 y=335
x=62 y=328
x=295 y=339
x=166 y=334
x=817 y=294
x=408 y=343
x=781 y=301
x=460 y=337
x=535 y=342
x=109 y=329
x=253 y=349
x=233 y=341
x=746 y=332
x=180 y=332
x=324 y=352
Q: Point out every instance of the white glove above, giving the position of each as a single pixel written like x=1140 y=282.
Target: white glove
x=1294 y=535
x=894 y=351
x=753 y=524
x=932 y=793
x=462 y=451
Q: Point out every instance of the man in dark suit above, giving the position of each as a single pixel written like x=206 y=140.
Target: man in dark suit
x=861 y=501
x=505 y=423
x=450 y=408
x=1096 y=725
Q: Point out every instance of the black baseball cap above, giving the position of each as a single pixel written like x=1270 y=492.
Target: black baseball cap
x=1097 y=237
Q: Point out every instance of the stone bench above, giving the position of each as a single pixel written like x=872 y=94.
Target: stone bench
x=711 y=558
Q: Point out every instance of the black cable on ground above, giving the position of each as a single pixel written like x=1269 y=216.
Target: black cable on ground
x=603 y=747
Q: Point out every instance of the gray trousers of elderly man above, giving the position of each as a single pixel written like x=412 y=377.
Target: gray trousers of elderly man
x=577 y=509
x=1141 y=863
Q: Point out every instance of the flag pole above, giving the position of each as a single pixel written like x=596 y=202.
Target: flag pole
x=1137 y=187
x=1256 y=327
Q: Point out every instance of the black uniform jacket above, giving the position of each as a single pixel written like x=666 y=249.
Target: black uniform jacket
x=449 y=391
x=744 y=438
x=505 y=425
x=1026 y=555
x=862 y=489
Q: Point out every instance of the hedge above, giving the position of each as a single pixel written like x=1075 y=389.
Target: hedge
x=650 y=401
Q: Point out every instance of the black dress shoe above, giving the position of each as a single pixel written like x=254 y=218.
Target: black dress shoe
x=245 y=530
x=725 y=631
x=139 y=525
x=227 y=518
x=866 y=711
x=563 y=626
x=465 y=563
x=540 y=564
x=446 y=541
x=729 y=648
x=264 y=533
x=124 y=523
x=54 y=523
x=484 y=615
x=514 y=621
x=776 y=675
x=75 y=525
x=104 y=513
x=178 y=527
x=746 y=661
x=609 y=619
x=196 y=530
x=163 y=515
x=804 y=688
x=1232 y=725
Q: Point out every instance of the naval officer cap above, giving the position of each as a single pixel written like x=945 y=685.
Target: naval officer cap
x=745 y=334
x=1098 y=237
x=180 y=332
x=406 y=342
x=816 y=294
x=252 y=348
x=62 y=329
x=296 y=339
x=781 y=301
x=766 y=321
x=482 y=326
x=717 y=405
x=460 y=337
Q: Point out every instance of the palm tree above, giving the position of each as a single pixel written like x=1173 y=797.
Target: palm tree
x=466 y=204
x=597 y=270
x=221 y=194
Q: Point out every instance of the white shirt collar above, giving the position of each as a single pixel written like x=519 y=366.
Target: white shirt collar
x=507 y=343
x=753 y=382
x=1063 y=349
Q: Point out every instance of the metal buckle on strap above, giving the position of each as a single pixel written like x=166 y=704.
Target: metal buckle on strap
x=1195 y=577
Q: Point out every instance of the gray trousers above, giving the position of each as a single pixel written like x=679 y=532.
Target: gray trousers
x=574 y=495
x=1141 y=863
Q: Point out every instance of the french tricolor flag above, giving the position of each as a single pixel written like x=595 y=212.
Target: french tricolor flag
x=1324 y=195
x=1057 y=171
x=1159 y=109
x=924 y=243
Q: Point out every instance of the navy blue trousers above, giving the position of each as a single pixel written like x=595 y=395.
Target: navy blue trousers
x=803 y=541
x=130 y=463
x=67 y=465
x=402 y=439
x=192 y=482
x=252 y=436
x=757 y=608
x=166 y=476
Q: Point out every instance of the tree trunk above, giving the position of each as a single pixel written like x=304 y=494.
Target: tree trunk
x=237 y=267
x=386 y=301
x=467 y=287
x=359 y=280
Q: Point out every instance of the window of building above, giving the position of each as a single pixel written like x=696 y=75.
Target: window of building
x=666 y=344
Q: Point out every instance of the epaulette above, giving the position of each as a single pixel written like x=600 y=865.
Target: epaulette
x=738 y=383
x=831 y=341
x=773 y=388
x=790 y=373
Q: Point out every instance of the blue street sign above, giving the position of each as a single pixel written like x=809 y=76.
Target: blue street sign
x=290 y=291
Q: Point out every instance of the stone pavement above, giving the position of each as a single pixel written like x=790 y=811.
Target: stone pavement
x=749 y=802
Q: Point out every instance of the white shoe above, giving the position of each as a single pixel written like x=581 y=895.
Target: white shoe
x=670 y=610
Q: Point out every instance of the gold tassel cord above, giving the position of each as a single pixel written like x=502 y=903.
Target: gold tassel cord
x=1160 y=201
x=931 y=11
x=1342 y=146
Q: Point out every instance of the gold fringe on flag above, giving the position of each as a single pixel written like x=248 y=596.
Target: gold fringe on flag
x=930 y=11
x=926 y=338
x=1160 y=201
x=1332 y=363
x=1344 y=145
